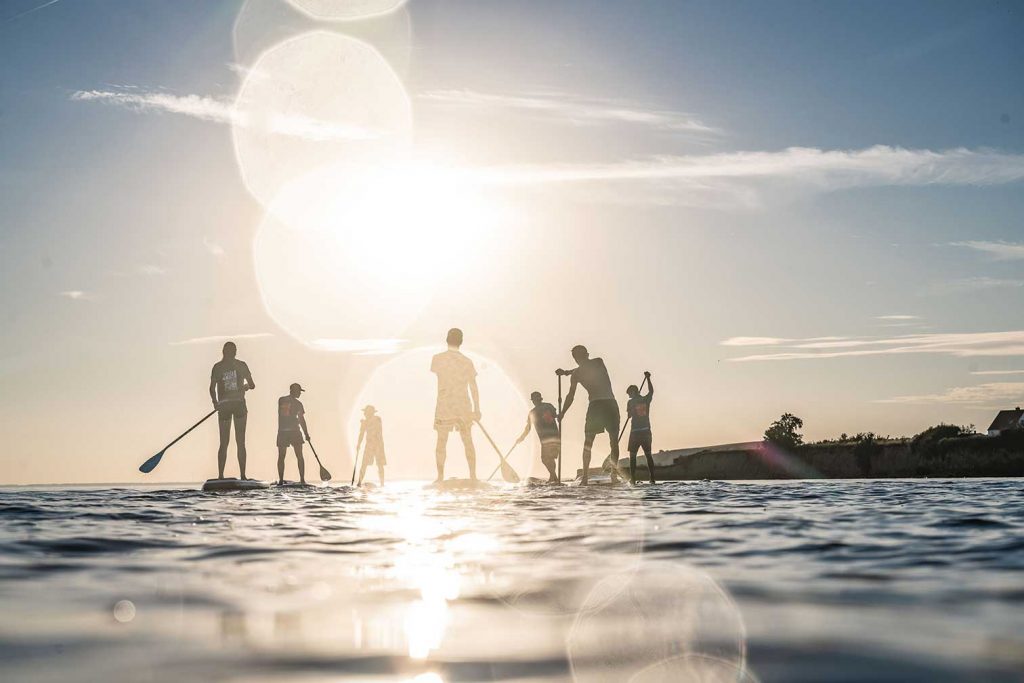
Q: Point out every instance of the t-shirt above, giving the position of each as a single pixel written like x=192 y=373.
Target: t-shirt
x=544 y=419
x=289 y=410
x=454 y=373
x=374 y=429
x=593 y=375
x=230 y=375
x=639 y=408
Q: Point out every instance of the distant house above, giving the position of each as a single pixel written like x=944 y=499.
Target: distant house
x=1007 y=420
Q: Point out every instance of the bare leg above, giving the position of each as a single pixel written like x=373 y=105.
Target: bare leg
x=240 y=421
x=588 y=446
x=632 y=464
x=441 y=453
x=281 y=451
x=222 y=451
x=650 y=461
x=362 y=470
x=467 y=444
x=302 y=463
x=380 y=473
x=613 y=457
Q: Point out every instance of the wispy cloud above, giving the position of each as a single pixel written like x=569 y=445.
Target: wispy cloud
x=974 y=284
x=360 y=347
x=969 y=344
x=214 y=248
x=998 y=372
x=75 y=295
x=33 y=9
x=746 y=177
x=981 y=394
x=1001 y=251
x=898 y=317
x=575 y=110
x=222 y=111
x=220 y=338
x=151 y=269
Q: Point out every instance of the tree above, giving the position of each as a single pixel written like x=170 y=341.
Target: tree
x=784 y=431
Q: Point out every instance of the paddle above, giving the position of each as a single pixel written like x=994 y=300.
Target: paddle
x=507 y=473
x=559 y=373
x=355 y=463
x=506 y=458
x=151 y=464
x=324 y=474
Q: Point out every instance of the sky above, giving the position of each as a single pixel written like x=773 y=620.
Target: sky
x=795 y=207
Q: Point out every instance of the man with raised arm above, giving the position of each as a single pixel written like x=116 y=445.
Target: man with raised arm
x=229 y=380
x=602 y=411
x=544 y=419
x=638 y=412
x=458 y=401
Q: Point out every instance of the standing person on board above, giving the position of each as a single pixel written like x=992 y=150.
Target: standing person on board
x=638 y=411
x=544 y=418
x=602 y=411
x=458 y=401
x=372 y=428
x=291 y=415
x=229 y=380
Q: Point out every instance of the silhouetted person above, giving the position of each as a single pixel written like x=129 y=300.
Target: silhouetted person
x=229 y=380
x=638 y=411
x=544 y=419
x=291 y=415
x=372 y=428
x=602 y=412
x=458 y=401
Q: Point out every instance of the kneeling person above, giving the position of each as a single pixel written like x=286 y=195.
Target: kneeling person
x=544 y=419
x=290 y=417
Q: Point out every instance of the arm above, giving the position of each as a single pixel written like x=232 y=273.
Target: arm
x=569 y=397
x=248 y=379
x=526 y=432
x=650 y=387
x=302 y=423
x=474 y=392
x=213 y=391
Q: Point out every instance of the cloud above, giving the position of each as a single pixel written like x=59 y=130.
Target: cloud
x=33 y=9
x=75 y=295
x=998 y=372
x=360 y=347
x=745 y=178
x=151 y=269
x=773 y=341
x=898 y=317
x=220 y=338
x=974 y=284
x=982 y=394
x=969 y=344
x=222 y=111
x=214 y=248
x=574 y=110
x=1000 y=251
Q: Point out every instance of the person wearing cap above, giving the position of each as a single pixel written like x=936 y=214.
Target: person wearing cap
x=372 y=429
x=638 y=410
x=544 y=419
x=290 y=417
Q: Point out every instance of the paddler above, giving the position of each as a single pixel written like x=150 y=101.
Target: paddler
x=602 y=411
x=372 y=429
x=291 y=416
x=638 y=412
x=229 y=380
x=458 y=401
x=544 y=419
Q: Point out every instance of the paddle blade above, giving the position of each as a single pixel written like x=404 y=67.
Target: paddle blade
x=324 y=474
x=509 y=474
x=151 y=464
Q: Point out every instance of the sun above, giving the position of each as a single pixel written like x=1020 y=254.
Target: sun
x=356 y=251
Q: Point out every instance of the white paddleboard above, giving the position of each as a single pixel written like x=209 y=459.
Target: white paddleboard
x=233 y=484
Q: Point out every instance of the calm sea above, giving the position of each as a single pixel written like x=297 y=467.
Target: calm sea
x=686 y=581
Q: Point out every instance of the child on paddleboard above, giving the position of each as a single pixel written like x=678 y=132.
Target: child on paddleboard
x=291 y=415
x=544 y=419
x=372 y=429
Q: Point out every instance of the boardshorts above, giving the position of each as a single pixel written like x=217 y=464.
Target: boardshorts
x=231 y=409
x=549 y=452
x=290 y=438
x=640 y=440
x=602 y=415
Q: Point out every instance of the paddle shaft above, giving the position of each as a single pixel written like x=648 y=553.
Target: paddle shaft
x=323 y=470
x=501 y=458
x=559 y=427
x=355 y=464
x=506 y=458
x=187 y=432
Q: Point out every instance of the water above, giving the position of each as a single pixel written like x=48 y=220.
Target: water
x=687 y=581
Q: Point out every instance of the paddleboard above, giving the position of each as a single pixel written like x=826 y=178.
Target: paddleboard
x=233 y=484
x=294 y=485
x=536 y=481
x=600 y=480
x=460 y=485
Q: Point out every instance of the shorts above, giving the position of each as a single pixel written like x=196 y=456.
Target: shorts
x=549 y=452
x=640 y=440
x=374 y=456
x=231 y=409
x=602 y=416
x=286 y=439
x=463 y=424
